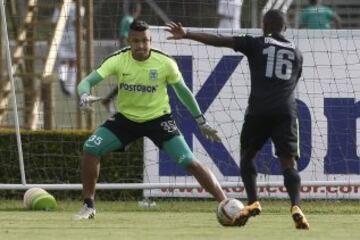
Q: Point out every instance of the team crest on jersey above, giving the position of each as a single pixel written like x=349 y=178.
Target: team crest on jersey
x=153 y=74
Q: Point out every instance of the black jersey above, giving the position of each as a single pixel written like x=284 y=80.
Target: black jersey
x=275 y=67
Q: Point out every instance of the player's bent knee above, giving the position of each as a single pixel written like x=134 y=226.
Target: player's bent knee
x=193 y=164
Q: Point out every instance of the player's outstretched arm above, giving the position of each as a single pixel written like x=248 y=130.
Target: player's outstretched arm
x=86 y=99
x=179 y=32
x=188 y=100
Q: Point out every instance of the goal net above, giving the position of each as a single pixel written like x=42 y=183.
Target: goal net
x=327 y=96
x=328 y=106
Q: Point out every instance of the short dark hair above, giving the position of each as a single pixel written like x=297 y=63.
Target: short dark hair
x=274 y=21
x=133 y=6
x=139 y=25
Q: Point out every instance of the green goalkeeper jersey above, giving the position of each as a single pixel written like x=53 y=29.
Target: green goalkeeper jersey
x=142 y=85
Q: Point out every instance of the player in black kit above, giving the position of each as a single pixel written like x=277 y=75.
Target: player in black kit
x=275 y=66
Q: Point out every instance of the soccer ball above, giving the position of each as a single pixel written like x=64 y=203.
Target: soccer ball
x=227 y=210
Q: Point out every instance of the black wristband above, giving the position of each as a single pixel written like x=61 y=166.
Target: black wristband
x=200 y=120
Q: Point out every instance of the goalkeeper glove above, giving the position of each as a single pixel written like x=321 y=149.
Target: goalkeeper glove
x=206 y=130
x=86 y=100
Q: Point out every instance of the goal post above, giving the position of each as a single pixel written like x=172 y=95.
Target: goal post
x=13 y=93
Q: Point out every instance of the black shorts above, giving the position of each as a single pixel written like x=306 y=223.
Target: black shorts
x=281 y=129
x=159 y=130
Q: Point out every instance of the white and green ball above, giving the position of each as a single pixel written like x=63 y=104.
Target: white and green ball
x=39 y=199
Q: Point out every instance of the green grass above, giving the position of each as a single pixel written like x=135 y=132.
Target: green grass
x=173 y=220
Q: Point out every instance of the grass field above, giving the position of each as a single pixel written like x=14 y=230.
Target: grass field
x=172 y=220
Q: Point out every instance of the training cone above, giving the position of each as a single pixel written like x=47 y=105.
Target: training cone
x=39 y=199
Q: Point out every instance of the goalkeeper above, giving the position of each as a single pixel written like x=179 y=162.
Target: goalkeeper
x=275 y=66
x=143 y=74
